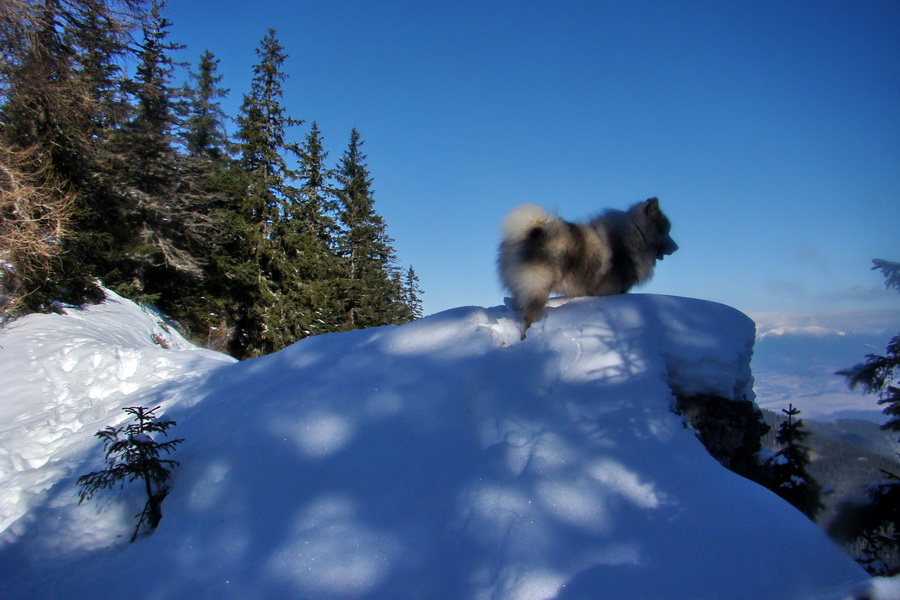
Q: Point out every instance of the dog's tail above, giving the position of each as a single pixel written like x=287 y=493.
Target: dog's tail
x=521 y=220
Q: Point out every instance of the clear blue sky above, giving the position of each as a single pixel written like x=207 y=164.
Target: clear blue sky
x=770 y=130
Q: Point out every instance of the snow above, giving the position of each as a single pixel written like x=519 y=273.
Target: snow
x=443 y=459
x=140 y=438
x=65 y=376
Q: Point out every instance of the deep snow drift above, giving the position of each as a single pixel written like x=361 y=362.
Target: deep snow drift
x=65 y=376
x=439 y=460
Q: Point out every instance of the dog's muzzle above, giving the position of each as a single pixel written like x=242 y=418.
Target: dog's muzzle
x=666 y=248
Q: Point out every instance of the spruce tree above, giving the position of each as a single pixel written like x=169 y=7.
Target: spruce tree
x=203 y=132
x=153 y=229
x=276 y=251
x=132 y=454
x=314 y=221
x=876 y=525
x=371 y=291
x=163 y=226
x=208 y=178
x=878 y=374
x=412 y=294
x=102 y=38
x=790 y=475
x=316 y=190
x=103 y=42
x=262 y=134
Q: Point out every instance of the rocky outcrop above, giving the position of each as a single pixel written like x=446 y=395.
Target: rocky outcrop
x=731 y=430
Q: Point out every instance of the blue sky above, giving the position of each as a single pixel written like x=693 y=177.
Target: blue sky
x=770 y=130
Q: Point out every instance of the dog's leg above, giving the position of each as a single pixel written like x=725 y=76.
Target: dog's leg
x=535 y=282
x=532 y=312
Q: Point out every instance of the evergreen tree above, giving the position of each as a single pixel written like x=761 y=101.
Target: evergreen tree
x=101 y=36
x=790 y=475
x=877 y=373
x=163 y=208
x=262 y=127
x=372 y=295
x=163 y=228
x=875 y=376
x=204 y=124
x=103 y=41
x=277 y=256
x=870 y=528
x=412 y=294
x=61 y=101
x=316 y=191
x=876 y=525
x=17 y=24
x=891 y=272
x=208 y=178
x=314 y=222
x=154 y=228
x=60 y=77
x=131 y=454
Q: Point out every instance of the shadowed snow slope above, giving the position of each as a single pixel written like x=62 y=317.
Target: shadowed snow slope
x=443 y=459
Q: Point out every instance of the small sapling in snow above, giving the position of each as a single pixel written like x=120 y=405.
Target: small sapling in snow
x=131 y=453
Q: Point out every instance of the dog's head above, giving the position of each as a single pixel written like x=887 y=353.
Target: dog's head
x=655 y=228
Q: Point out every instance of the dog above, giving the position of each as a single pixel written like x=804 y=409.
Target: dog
x=542 y=254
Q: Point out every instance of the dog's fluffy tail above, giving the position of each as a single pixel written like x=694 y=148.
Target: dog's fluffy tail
x=521 y=220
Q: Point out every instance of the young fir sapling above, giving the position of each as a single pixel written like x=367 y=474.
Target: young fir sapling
x=131 y=454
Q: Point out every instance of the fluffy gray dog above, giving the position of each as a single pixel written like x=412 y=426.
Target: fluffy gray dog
x=542 y=254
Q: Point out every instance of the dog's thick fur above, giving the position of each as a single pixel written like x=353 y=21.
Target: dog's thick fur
x=542 y=254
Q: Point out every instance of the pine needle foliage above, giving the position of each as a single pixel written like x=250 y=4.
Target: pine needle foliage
x=203 y=130
x=132 y=182
x=876 y=376
x=876 y=524
x=879 y=373
x=790 y=466
x=133 y=454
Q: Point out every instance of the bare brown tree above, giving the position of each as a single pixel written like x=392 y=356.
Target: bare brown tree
x=34 y=211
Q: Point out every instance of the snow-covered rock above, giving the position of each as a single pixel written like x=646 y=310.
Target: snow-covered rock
x=443 y=459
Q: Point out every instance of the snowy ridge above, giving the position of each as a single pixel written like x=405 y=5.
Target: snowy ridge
x=813 y=330
x=66 y=376
x=444 y=459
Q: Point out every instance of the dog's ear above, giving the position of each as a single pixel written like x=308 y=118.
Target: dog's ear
x=651 y=207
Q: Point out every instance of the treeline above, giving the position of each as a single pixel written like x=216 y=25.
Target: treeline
x=124 y=176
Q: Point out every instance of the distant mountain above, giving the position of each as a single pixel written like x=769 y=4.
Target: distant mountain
x=796 y=356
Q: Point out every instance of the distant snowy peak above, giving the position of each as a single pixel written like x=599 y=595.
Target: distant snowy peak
x=808 y=330
x=879 y=323
x=796 y=356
